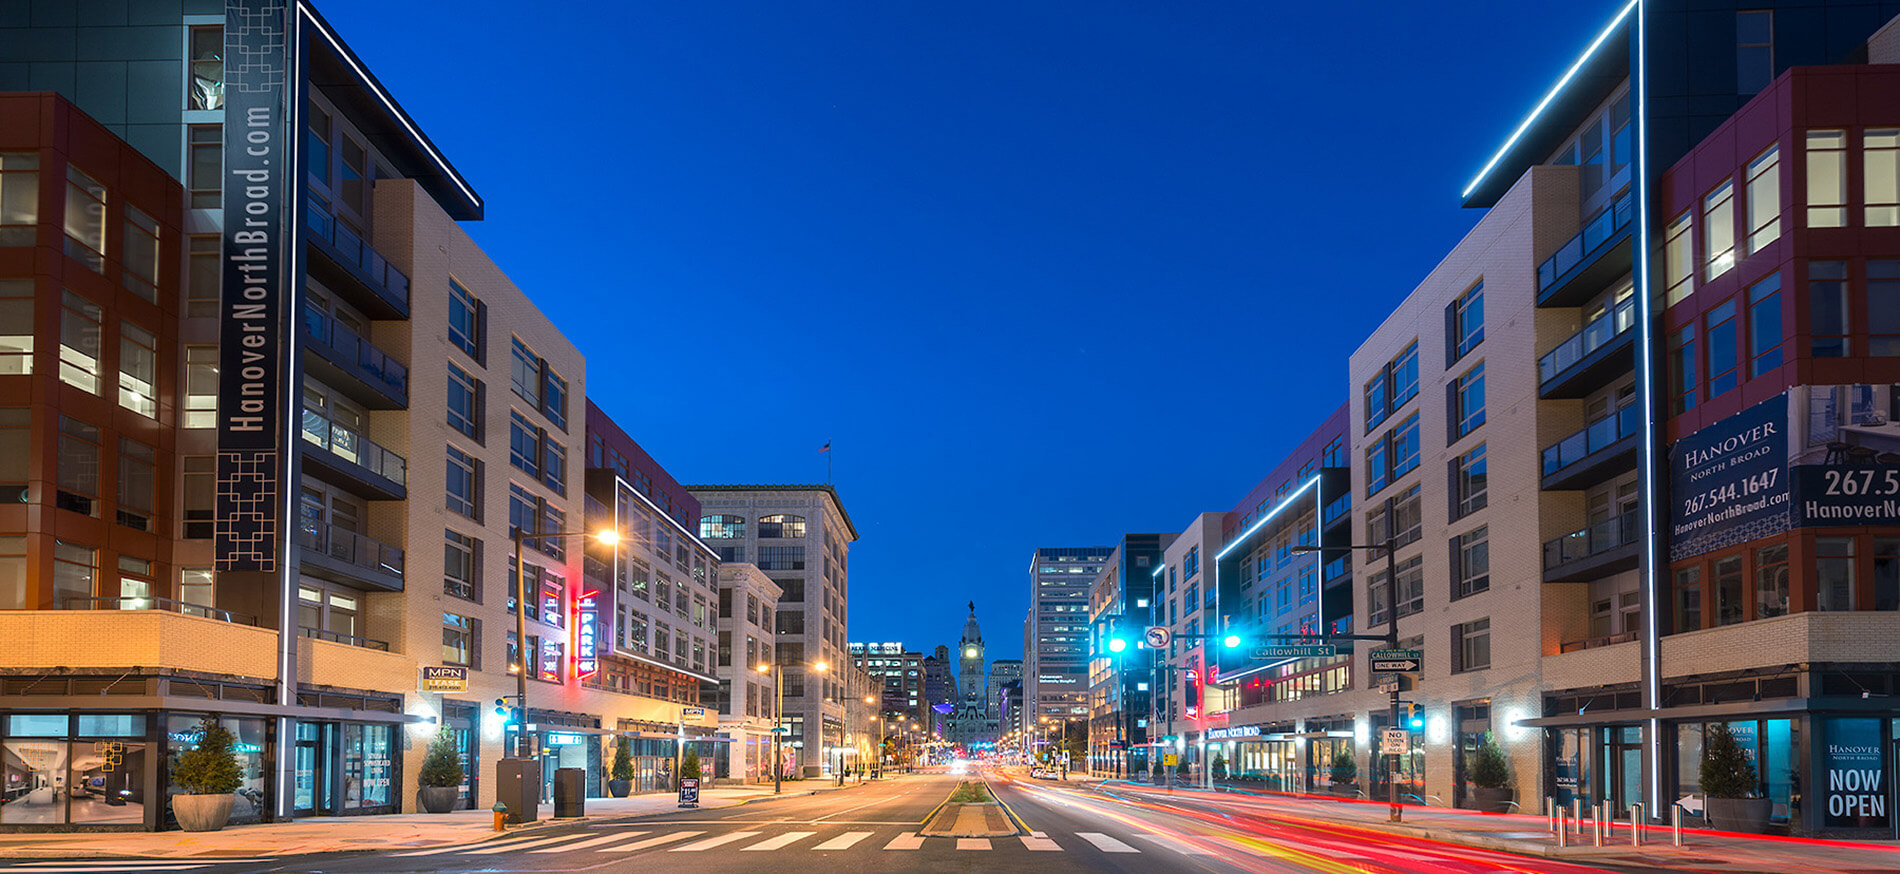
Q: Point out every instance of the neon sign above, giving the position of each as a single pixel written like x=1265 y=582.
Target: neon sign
x=587 y=635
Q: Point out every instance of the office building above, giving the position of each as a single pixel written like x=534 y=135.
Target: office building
x=900 y=674
x=747 y=699
x=1055 y=635
x=1120 y=665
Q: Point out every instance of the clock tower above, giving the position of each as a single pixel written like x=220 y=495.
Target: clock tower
x=970 y=659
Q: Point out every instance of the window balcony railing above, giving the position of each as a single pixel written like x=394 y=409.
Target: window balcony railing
x=346 y=443
x=349 y=346
x=351 y=548
x=340 y=637
x=1595 y=642
x=1594 y=336
x=1598 y=230
x=385 y=279
x=1596 y=437
x=1594 y=540
x=163 y=604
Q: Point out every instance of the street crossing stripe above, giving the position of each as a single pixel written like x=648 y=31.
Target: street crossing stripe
x=843 y=841
x=905 y=841
x=507 y=844
x=95 y=867
x=516 y=845
x=973 y=843
x=649 y=842
x=774 y=843
x=1105 y=843
x=594 y=842
x=1040 y=842
x=1184 y=849
x=713 y=841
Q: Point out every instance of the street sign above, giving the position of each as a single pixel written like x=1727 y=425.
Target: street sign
x=1691 y=803
x=1157 y=636
x=689 y=791
x=693 y=712
x=1388 y=682
x=1393 y=741
x=444 y=678
x=1397 y=661
x=1170 y=759
x=1398 y=653
x=1296 y=651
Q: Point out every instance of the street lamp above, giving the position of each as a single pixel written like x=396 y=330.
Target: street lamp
x=778 y=731
x=878 y=769
x=1391 y=642
x=606 y=537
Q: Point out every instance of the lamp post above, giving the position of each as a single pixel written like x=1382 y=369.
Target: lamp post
x=1392 y=642
x=877 y=769
x=607 y=537
x=778 y=713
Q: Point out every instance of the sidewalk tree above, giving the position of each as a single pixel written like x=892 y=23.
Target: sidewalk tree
x=689 y=765
x=1220 y=766
x=441 y=776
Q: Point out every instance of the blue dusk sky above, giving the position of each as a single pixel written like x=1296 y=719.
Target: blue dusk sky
x=1041 y=272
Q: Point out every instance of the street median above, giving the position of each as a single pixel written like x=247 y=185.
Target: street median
x=971 y=811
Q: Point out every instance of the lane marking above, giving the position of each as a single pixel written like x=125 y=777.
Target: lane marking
x=1105 y=843
x=1040 y=842
x=714 y=841
x=905 y=841
x=843 y=841
x=591 y=842
x=650 y=842
x=518 y=845
x=973 y=843
x=777 y=841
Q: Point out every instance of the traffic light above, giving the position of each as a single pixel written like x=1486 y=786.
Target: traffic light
x=501 y=707
x=1231 y=641
x=1414 y=717
x=1117 y=644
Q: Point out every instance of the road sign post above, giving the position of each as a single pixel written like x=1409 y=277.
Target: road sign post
x=1393 y=742
x=1397 y=661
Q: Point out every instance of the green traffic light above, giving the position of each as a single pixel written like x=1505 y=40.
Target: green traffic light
x=1231 y=640
x=1116 y=644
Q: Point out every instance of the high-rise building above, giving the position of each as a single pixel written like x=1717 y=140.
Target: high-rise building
x=801 y=537
x=1055 y=634
x=747 y=699
x=1120 y=665
x=940 y=687
x=900 y=676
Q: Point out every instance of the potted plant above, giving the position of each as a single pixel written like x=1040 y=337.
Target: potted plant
x=620 y=782
x=440 y=783
x=1154 y=771
x=207 y=777
x=1490 y=774
x=689 y=764
x=1728 y=779
x=1220 y=766
x=1344 y=771
x=1181 y=765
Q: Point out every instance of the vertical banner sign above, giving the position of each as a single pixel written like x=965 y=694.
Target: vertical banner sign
x=1855 y=763
x=1728 y=482
x=587 y=636
x=258 y=167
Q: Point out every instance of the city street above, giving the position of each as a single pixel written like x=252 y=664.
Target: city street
x=875 y=827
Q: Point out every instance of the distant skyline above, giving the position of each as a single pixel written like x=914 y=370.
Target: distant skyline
x=1042 y=274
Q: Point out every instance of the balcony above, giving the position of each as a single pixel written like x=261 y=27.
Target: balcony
x=350 y=263
x=346 y=556
x=338 y=453
x=345 y=639
x=163 y=604
x=345 y=360
x=151 y=632
x=1608 y=547
x=1598 y=642
x=1600 y=451
x=1590 y=358
x=1588 y=261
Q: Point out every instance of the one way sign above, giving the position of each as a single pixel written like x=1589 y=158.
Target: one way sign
x=1397 y=661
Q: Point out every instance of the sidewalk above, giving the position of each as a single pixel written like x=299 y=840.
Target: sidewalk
x=402 y=831
x=1530 y=835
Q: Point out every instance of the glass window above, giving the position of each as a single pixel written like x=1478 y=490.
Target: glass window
x=465 y=330
x=1718 y=230
x=138 y=484
x=1687 y=600
x=1827 y=178
x=110 y=725
x=1472 y=485
x=81 y=328
x=37 y=725
x=85 y=219
x=1827 y=301
x=1729 y=606
x=554 y=399
x=19 y=197
x=207 y=68
x=1468 y=321
x=141 y=254
x=202 y=276
x=196 y=587
x=204 y=168
x=458 y=639
x=79 y=457
x=1376 y=407
x=721 y=526
x=1754 y=50
x=75 y=568
x=1881 y=175
x=465 y=397
x=553 y=464
x=464 y=483
x=201 y=386
x=459 y=565
x=1764 y=325
x=1721 y=333
x=525 y=374
x=317 y=146
x=1771 y=581
x=13 y=590
x=1468 y=401
x=1471 y=645
x=1405 y=446
x=138 y=370
x=1405 y=376
x=781 y=525
x=200 y=488
x=1883 y=306
x=1678 y=259
x=1764 y=199
x=1377 y=474
x=523 y=444
x=16 y=325
x=1886 y=573
x=1834 y=573
x=1682 y=371
x=1473 y=553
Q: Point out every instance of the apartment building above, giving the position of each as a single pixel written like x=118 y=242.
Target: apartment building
x=1187 y=603
x=801 y=537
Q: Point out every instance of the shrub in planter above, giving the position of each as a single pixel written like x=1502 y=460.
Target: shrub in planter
x=1344 y=771
x=208 y=776
x=1154 y=772
x=1181 y=765
x=441 y=778
x=1728 y=779
x=1491 y=775
x=620 y=776
x=689 y=765
x=1220 y=766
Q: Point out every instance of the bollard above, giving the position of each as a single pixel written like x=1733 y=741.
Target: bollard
x=1563 y=828
x=1596 y=824
x=1550 y=812
x=1576 y=814
x=501 y=814
x=1636 y=824
x=1675 y=816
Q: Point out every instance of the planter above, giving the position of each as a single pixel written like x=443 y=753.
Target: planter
x=438 y=799
x=1493 y=800
x=202 y=813
x=622 y=788
x=1344 y=790
x=1748 y=815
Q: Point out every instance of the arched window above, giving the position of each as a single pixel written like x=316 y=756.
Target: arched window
x=721 y=526
x=782 y=525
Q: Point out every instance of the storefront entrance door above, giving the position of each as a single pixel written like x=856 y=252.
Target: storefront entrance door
x=312 y=795
x=1623 y=757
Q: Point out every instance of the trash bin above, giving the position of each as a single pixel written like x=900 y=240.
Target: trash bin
x=519 y=786
x=570 y=792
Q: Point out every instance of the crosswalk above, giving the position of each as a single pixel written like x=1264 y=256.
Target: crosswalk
x=113 y=866
x=753 y=839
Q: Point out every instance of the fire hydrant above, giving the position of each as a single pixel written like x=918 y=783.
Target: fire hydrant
x=501 y=814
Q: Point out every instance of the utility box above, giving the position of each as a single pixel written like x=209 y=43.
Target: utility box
x=570 y=793
x=518 y=785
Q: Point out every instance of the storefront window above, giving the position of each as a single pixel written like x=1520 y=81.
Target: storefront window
x=1770 y=746
x=251 y=739
x=366 y=766
x=49 y=776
